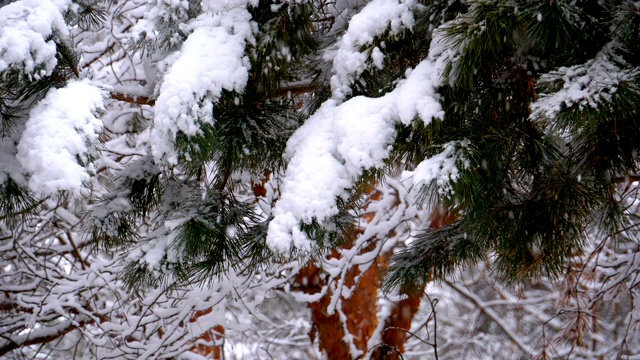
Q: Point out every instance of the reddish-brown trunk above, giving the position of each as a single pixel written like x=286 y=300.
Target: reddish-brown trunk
x=397 y=325
x=361 y=308
x=327 y=327
x=210 y=344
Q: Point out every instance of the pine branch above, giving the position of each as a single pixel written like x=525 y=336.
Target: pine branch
x=625 y=179
x=292 y=89
x=133 y=99
x=68 y=327
x=295 y=89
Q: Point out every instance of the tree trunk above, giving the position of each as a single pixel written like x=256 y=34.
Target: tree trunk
x=346 y=335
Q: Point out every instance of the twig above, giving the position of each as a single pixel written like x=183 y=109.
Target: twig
x=491 y=314
x=387 y=346
x=433 y=304
x=133 y=99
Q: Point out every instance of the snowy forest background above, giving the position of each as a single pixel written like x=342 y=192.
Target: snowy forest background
x=339 y=179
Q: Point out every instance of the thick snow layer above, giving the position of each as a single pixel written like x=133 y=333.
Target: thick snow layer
x=329 y=152
x=211 y=60
x=62 y=129
x=349 y=62
x=26 y=28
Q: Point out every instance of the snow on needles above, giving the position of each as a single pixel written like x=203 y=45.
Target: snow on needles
x=211 y=60
x=26 y=28
x=62 y=129
x=441 y=168
x=329 y=152
x=373 y=20
x=584 y=85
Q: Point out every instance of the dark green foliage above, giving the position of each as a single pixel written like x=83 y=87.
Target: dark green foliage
x=16 y=203
x=432 y=255
x=209 y=236
x=533 y=189
x=489 y=37
x=214 y=224
x=90 y=14
x=604 y=139
x=30 y=89
x=552 y=31
x=285 y=40
x=531 y=185
x=114 y=221
x=221 y=231
x=565 y=33
x=114 y=229
x=209 y=239
x=626 y=25
x=248 y=136
x=18 y=90
x=404 y=50
x=170 y=32
x=8 y=114
x=140 y=276
x=333 y=235
x=145 y=193
x=249 y=130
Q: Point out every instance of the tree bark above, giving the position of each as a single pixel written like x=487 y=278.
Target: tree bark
x=360 y=311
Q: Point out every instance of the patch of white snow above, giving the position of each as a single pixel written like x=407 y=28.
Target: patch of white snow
x=61 y=129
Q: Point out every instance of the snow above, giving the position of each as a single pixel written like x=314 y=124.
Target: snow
x=378 y=57
x=54 y=274
x=329 y=152
x=10 y=166
x=445 y=49
x=61 y=129
x=441 y=168
x=26 y=28
x=583 y=85
x=211 y=60
x=349 y=62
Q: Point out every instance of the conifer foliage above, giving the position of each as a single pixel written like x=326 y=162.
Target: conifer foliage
x=186 y=178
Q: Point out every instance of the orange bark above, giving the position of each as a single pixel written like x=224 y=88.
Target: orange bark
x=361 y=308
x=327 y=327
x=397 y=325
x=210 y=344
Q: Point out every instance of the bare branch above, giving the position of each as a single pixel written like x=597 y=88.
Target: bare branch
x=133 y=99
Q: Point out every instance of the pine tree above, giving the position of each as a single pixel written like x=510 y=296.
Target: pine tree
x=217 y=153
x=544 y=95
